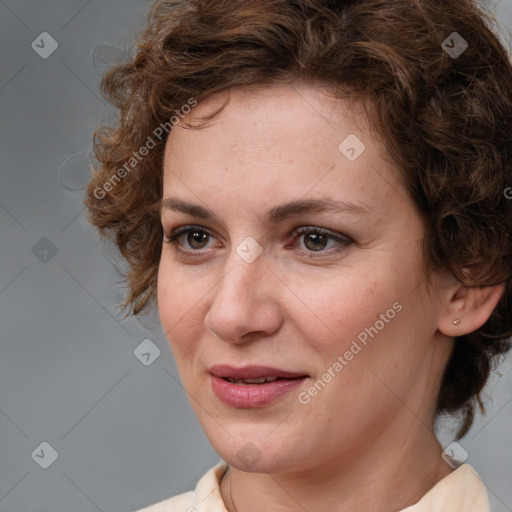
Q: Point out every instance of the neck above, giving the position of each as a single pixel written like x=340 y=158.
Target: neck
x=385 y=474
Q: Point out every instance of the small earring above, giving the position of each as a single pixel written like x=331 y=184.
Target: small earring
x=456 y=322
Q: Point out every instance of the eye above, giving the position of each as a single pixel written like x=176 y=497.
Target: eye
x=318 y=240
x=193 y=239
x=189 y=238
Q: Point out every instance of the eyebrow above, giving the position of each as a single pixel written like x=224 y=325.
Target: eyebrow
x=274 y=215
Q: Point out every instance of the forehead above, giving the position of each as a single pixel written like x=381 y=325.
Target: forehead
x=286 y=120
x=281 y=102
x=287 y=140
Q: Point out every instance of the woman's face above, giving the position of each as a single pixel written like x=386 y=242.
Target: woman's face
x=309 y=262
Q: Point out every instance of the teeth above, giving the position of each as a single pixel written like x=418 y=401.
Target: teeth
x=259 y=380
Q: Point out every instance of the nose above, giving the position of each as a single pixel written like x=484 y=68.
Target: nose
x=245 y=303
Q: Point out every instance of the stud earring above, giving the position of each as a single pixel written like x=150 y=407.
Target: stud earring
x=456 y=322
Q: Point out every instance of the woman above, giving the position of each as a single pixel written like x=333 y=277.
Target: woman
x=315 y=194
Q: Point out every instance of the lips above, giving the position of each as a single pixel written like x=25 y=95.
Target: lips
x=253 y=373
x=253 y=386
x=258 y=380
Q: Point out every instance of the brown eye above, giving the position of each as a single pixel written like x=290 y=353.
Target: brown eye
x=190 y=238
x=315 y=241
x=320 y=241
x=197 y=239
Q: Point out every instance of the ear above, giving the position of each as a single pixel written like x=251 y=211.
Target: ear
x=471 y=306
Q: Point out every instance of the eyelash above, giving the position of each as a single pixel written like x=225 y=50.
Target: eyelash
x=343 y=241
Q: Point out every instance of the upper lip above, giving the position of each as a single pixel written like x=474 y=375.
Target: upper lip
x=251 y=372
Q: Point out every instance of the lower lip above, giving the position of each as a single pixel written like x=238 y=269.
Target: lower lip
x=248 y=396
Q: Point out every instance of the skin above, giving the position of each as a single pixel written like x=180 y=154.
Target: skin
x=371 y=426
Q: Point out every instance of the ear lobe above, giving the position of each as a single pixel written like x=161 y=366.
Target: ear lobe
x=472 y=306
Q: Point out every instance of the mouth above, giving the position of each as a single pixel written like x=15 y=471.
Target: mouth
x=258 y=380
x=253 y=374
x=253 y=386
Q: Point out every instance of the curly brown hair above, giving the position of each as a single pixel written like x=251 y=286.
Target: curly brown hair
x=445 y=118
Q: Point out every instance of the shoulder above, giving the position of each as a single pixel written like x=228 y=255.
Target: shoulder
x=460 y=491
x=205 y=498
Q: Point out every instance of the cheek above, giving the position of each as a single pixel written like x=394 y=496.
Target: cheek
x=179 y=305
x=366 y=317
x=331 y=316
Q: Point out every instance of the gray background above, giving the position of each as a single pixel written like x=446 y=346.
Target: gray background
x=124 y=432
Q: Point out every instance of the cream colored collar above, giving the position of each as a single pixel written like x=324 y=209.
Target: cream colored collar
x=460 y=491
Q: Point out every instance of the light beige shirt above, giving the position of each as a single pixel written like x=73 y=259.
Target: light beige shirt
x=460 y=491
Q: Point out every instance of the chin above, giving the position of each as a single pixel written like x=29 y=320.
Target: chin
x=254 y=454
